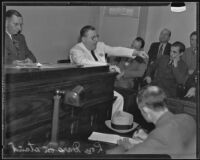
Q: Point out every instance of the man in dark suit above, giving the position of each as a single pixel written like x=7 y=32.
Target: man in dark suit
x=174 y=134
x=160 y=48
x=16 y=49
x=169 y=70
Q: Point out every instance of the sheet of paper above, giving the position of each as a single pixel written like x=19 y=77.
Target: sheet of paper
x=110 y=138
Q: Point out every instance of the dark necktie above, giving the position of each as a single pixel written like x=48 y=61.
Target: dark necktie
x=15 y=42
x=160 y=50
x=92 y=52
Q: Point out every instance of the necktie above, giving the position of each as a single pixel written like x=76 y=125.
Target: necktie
x=93 y=55
x=160 y=50
x=15 y=42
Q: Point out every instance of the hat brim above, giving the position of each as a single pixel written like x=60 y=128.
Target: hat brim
x=108 y=124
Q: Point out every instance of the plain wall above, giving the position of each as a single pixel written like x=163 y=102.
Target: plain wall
x=118 y=30
x=51 y=31
x=181 y=24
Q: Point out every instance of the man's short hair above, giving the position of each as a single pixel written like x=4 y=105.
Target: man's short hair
x=12 y=12
x=85 y=29
x=193 y=33
x=140 y=40
x=180 y=45
x=152 y=97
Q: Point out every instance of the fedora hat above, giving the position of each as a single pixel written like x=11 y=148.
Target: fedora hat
x=121 y=122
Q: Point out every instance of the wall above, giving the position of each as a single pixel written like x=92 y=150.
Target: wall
x=117 y=30
x=181 y=24
x=51 y=31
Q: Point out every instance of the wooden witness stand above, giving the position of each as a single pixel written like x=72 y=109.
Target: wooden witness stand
x=29 y=115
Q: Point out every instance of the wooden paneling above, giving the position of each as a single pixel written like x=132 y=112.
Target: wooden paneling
x=28 y=102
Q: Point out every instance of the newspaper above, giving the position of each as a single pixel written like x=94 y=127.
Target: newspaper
x=111 y=138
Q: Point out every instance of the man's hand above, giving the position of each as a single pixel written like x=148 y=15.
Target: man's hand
x=141 y=134
x=175 y=62
x=114 y=68
x=120 y=75
x=191 y=92
x=22 y=62
x=142 y=54
x=148 y=79
x=27 y=60
x=125 y=143
x=191 y=71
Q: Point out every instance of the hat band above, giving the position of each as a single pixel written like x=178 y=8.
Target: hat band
x=121 y=127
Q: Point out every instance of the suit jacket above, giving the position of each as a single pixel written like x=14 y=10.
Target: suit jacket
x=153 y=51
x=79 y=54
x=132 y=69
x=174 y=135
x=166 y=76
x=190 y=58
x=17 y=49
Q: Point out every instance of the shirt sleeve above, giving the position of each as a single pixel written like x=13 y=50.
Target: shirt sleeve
x=119 y=51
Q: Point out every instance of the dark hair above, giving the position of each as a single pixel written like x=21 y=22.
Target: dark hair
x=85 y=29
x=139 y=59
x=12 y=12
x=152 y=97
x=140 y=40
x=193 y=33
x=180 y=45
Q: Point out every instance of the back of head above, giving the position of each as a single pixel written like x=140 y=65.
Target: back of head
x=152 y=97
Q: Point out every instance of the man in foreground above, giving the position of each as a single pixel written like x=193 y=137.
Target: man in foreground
x=174 y=135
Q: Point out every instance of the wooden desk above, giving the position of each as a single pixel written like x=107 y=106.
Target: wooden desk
x=28 y=101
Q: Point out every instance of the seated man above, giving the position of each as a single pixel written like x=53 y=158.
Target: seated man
x=174 y=134
x=16 y=49
x=131 y=68
x=169 y=71
x=90 y=51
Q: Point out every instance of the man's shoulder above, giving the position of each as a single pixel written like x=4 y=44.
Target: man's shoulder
x=77 y=46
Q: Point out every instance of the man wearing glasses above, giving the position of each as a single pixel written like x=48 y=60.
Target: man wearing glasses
x=92 y=52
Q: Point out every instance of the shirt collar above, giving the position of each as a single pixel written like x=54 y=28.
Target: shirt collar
x=9 y=35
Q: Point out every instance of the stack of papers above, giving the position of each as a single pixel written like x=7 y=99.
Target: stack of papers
x=110 y=138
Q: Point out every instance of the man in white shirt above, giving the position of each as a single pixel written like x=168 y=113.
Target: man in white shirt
x=91 y=52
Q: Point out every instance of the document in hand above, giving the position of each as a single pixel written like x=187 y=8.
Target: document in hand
x=110 y=138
